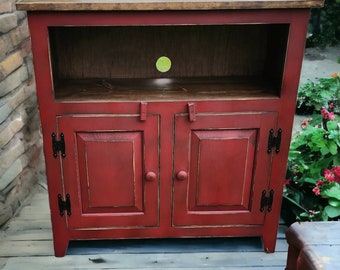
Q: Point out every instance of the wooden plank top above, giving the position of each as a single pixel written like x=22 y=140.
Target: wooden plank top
x=112 y=5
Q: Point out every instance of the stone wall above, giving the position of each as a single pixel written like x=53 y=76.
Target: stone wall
x=20 y=138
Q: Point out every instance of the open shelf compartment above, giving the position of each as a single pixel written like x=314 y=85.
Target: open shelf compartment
x=125 y=62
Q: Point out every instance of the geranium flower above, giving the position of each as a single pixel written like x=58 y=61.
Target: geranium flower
x=335 y=74
x=329 y=175
x=304 y=122
x=331 y=116
x=326 y=114
x=319 y=182
x=316 y=190
x=336 y=170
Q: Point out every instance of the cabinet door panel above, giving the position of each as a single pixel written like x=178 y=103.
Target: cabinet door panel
x=212 y=152
x=227 y=168
x=110 y=166
x=104 y=170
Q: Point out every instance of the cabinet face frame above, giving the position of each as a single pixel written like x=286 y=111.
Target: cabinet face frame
x=284 y=106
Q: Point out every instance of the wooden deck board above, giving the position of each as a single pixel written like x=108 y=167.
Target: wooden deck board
x=26 y=243
x=150 y=261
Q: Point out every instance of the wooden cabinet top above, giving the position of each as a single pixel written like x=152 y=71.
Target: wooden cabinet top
x=111 y=5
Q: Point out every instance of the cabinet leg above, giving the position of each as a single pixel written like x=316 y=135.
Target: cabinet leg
x=60 y=246
x=269 y=243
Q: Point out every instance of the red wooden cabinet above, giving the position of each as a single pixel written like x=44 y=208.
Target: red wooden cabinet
x=192 y=145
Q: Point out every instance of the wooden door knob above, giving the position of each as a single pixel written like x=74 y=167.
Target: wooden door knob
x=150 y=176
x=182 y=175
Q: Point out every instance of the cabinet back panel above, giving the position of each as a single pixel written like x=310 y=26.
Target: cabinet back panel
x=131 y=52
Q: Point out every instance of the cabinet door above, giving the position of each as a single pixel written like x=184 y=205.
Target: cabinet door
x=221 y=167
x=110 y=170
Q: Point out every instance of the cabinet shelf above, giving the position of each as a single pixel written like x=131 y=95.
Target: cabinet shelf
x=215 y=61
x=164 y=89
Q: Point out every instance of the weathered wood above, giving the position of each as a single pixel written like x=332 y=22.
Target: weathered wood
x=151 y=261
x=32 y=224
x=211 y=63
x=164 y=5
x=105 y=46
x=26 y=248
x=313 y=245
x=32 y=248
x=166 y=89
x=28 y=235
x=3 y=262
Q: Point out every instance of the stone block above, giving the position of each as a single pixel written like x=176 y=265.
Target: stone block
x=6 y=6
x=13 y=80
x=22 y=188
x=21 y=15
x=8 y=180
x=19 y=34
x=10 y=63
x=5 y=213
x=12 y=125
x=13 y=171
x=24 y=183
x=11 y=101
x=5 y=45
x=8 y=21
x=26 y=49
x=11 y=151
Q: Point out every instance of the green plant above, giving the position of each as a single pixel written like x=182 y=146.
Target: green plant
x=325 y=25
x=313 y=175
x=313 y=96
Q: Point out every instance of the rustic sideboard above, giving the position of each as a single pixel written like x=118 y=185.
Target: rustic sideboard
x=166 y=118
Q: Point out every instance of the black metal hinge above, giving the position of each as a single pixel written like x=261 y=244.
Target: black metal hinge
x=64 y=205
x=267 y=201
x=274 y=141
x=58 y=146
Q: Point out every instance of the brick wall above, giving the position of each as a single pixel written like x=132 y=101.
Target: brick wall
x=20 y=139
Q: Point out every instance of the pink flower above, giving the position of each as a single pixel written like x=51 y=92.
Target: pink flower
x=326 y=114
x=287 y=182
x=319 y=182
x=336 y=170
x=316 y=190
x=305 y=122
x=331 y=116
x=329 y=175
x=331 y=105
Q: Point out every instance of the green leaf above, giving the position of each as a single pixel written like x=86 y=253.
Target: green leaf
x=324 y=215
x=309 y=180
x=334 y=202
x=333 y=148
x=304 y=215
x=332 y=125
x=332 y=212
x=333 y=192
x=324 y=150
